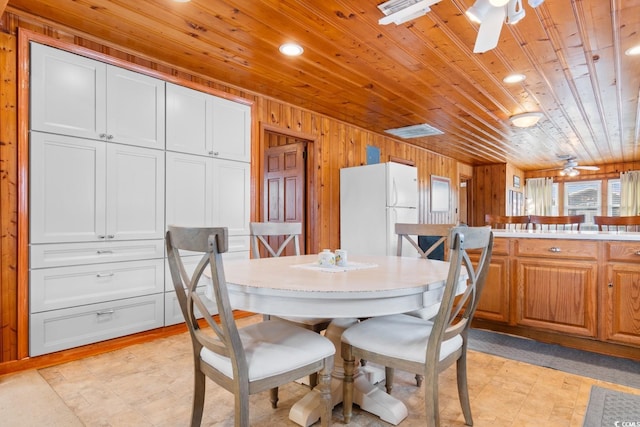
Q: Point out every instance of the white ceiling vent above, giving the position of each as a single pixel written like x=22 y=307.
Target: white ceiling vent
x=415 y=131
x=401 y=11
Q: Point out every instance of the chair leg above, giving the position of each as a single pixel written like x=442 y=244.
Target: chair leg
x=273 y=397
x=199 y=387
x=419 y=379
x=242 y=406
x=389 y=375
x=431 y=399
x=313 y=380
x=324 y=385
x=347 y=382
x=463 y=389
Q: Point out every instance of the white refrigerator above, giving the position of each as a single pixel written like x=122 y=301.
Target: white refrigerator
x=372 y=199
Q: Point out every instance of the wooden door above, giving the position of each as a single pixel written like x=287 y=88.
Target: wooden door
x=284 y=195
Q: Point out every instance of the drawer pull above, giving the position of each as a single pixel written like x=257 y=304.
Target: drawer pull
x=104 y=275
x=105 y=312
x=111 y=236
x=554 y=249
x=101 y=236
x=104 y=252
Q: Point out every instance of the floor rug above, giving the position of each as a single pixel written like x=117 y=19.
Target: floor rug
x=593 y=365
x=610 y=408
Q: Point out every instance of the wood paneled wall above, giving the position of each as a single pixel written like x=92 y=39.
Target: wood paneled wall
x=335 y=145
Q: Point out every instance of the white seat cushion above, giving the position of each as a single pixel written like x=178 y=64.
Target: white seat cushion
x=272 y=348
x=426 y=313
x=400 y=336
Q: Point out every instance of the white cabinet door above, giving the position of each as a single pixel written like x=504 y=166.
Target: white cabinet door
x=135 y=108
x=189 y=120
x=135 y=193
x=231 y=130
x=231 y=201
x=68 y=93
x=189 y=190
x=67 y=189
x=77 y=96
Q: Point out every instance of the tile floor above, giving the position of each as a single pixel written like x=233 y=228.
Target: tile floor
x=150 y=385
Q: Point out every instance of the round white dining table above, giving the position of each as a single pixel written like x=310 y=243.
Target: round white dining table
x=297 y=286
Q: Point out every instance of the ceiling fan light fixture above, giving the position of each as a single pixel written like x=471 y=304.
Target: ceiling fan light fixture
x=525 y=120
x=535 y=3
x=515 y=12
x=478 y=11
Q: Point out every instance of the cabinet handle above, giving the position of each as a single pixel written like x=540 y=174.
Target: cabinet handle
x=211 y=153
x=105 y=274
x=104 y=252
x=105 y=312
x=109 y=136
x=610 y=284
x=554 y=249
x=215 y=153
x=103 y=135
x=111 y=236
x=101 y=236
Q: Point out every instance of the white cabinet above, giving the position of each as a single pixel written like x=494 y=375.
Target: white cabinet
x=77 y=96
x=202 y=191
x=206 y=125
x=85 y=190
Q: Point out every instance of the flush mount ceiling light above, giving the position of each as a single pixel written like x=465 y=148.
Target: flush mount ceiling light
x=401 y=11
x=514 y=78
x=635 y=50
x=490 y=14
x=526 y=120
x=291 y=49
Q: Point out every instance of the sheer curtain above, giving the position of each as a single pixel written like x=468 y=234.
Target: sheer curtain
x=630 y=193
x=539 y=193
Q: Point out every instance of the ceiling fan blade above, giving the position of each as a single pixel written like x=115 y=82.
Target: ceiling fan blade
x=587 y=168
x=489 y=32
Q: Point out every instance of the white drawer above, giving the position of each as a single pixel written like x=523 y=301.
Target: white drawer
x=54 y=288
x=173 y=313
x=190 y=263
x=61 y=329
x=66 y=254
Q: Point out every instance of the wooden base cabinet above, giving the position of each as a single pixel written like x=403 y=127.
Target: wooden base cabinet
x=621 y=297
x=494 y=300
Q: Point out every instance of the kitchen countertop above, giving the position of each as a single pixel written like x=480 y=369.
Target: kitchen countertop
x=570 y=235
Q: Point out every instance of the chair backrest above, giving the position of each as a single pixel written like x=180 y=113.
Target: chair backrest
x=275 y=237
x=562 y=222
x=513 y=222
x=456 y=311
x=617 y=223
x=211 y=242
x=409 y=231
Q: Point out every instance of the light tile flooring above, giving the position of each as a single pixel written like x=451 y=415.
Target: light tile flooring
x=150 y=385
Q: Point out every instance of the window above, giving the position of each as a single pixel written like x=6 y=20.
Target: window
x=613 y=197
x=583 y=198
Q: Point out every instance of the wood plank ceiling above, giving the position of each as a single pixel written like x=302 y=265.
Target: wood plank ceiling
x=423 y=71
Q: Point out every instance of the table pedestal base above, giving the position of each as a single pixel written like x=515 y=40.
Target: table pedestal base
x=365 y=394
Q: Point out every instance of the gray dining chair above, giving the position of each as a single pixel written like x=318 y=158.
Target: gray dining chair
x=411 y=233
x=246 y=360
x=413 y=344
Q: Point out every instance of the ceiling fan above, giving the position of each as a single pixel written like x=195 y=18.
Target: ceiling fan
x=571 y=167
x=490 y=14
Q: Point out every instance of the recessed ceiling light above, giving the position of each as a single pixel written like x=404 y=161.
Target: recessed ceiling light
x=514 y=78
x=291 y=49
x=635 y=50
